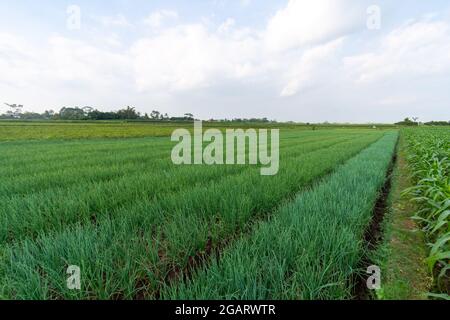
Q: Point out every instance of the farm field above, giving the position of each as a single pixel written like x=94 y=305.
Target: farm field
x=140 y=227
x=415 y=254
x=132 y=220
x=429 y=160
x=310 y=248
x=50 y=130
x=225 y=159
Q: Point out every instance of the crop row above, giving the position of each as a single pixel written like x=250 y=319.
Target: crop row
x=88 y=200
x=128 y=249
x=309 y=249
x=69 y=156
x=429 y=160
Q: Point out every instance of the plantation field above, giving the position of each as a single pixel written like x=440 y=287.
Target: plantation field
x=310 y=248
x=140 y=227
x=39 y=130
x=429 y=160
x=35 y=130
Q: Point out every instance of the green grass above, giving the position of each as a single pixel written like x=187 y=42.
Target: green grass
x=309 y=249
x=120 y=210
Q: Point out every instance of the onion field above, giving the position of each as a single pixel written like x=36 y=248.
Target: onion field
x=140 y=227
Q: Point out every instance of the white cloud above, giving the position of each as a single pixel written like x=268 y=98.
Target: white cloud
x=227 y=25
x=61 y=70
x=185 y=57
x=74 y=60
x=112 y=40
x=414 y=49
x=118 y=20
x=189 y=57
x=398 y=100
x=304 y=22
x=308 y=51
x=157 y=18
x=315 y=65
x=19 y=61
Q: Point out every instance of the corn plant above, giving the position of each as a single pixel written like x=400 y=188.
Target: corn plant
x=429 y=160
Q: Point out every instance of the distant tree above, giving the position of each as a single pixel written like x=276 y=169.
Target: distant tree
x=31 y=116
x=16 y=110
x=99 y=115
x=408 y=122
x=87 y=110
x=75 y=113
x=7 y=115
x=128 y=114
x=155 y=115
x=49 y=114
x=189 y=116
x=438 y=123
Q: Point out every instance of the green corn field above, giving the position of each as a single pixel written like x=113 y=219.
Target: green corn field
x=429 y=159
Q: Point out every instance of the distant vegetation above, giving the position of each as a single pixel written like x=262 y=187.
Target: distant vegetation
x=415 y=123
x=131 y=114
x=429 y=160
x=89 y=113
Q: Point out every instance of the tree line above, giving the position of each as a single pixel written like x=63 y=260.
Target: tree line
x=15 y=111
x=415 y=122
x=88 y=113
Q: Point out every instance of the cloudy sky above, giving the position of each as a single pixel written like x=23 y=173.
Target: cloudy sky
x=301 y=60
